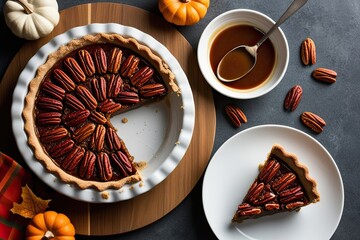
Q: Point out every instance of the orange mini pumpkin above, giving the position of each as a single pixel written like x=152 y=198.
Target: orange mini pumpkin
x=50 y=225
x=183 y=12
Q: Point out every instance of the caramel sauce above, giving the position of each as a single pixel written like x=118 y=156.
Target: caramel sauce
x=232 y=37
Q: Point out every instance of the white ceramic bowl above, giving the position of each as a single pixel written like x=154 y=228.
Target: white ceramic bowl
x=257 y=20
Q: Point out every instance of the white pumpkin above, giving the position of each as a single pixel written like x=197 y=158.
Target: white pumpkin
x=31 y=19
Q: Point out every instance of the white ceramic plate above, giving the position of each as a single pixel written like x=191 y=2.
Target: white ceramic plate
x=158 y=133
x=234 y=167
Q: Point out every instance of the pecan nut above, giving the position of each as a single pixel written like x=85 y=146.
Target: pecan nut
x=74 y=69
x=61 y=148
x=104 y=166
x=82 y=133
x=141 y=77
x=75 y=118
x=246 y=209
x=49 y=104
x=72 y=160
x=86 y=97
x=324 y=75
x=291 y=194
x=115 y=83
x=313 y=121
x=272 y=206
x=308 y=52
x=109 y=106
x=294 y=205
x=113 y=140
x=87 y=166
x=114 y=60
x=86 y=62
x=73 y=102
x=269 y=171
x=53 y=90
x=152 y=90
x=129 y=66
x=255 y=192
x=293 y=98
x=48 y=118
x=264 y=198
x=127 y=98
x=63 y=80
x=97 y=138
x=100 y=61
x=98 y=87
x=98 y=117
x=235 y=115
x=122 y=163
x=54 y=135
x=284 y=181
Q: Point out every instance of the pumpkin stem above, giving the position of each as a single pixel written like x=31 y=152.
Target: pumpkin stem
x=25 y=5
x=48 y=235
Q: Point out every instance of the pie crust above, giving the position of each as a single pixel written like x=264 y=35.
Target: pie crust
x=55 y=60
x=283 y=185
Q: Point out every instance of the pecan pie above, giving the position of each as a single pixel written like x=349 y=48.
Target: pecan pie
x=283 y=185
x=72 y=98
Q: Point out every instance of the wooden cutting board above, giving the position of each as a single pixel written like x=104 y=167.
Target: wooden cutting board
x=113 y=218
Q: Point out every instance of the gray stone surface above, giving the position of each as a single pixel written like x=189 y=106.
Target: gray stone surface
x=335 y=27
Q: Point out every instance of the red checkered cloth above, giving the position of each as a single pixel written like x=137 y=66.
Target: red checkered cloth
x=12 y=177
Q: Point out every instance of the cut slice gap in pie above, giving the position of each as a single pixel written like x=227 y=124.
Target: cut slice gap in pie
x=282 y=185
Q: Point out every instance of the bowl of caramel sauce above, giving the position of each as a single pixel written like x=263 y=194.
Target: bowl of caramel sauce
x=243 y=27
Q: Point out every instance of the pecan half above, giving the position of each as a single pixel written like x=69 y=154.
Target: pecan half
x=98 y=87
x=72 y=160
x=82 y=133
x=98 y=117
x=114 y=60
x=308 y=52
x=86 y=97
x=246 y=209
x=293 y=98
x=291 y=194
x=264 y=198
x=129 y=66
x=235 y=115
x=87 y=166
x=100 y=61
x=74 y=69
x=152 y=90
x=61 y=148
x=104 y=166
x=53 y=90
x=269 y=171
x=49 y=104
x=294 y=205
x=313 y=121
x=86 y=62
x=73 y=102
x=115 y=83
x=48 y=118
x=97 y=138
x=113 y=140
x=141 y=77
x=255 y=192
x=63 y=80
x=54 y=134
x=122 y=163
x=109 y=106
x=75 y=118
x=272 y=206
x=127 y=98
x=283 y=181
x=324 y=75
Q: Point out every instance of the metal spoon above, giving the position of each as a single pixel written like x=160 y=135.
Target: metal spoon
x=246 y=56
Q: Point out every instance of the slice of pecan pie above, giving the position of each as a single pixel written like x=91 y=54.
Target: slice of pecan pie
x=283 y=185
x=72 y=98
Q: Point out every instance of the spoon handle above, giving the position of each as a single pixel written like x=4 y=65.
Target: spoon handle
x=294 y=7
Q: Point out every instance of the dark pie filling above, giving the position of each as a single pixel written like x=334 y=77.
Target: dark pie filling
x=68 y=138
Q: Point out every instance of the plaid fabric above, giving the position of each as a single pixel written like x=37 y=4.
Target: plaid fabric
x=12 y=178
